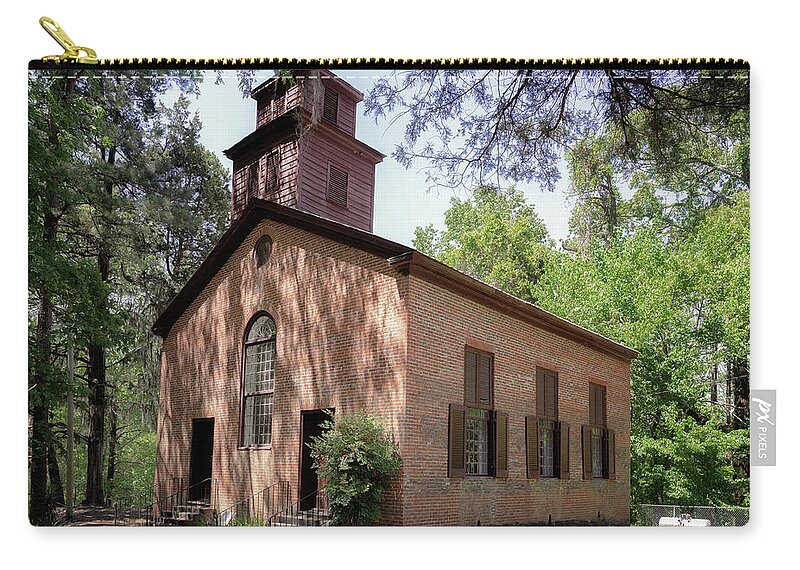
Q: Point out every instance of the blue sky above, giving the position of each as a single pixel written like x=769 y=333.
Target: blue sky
x=403 y=199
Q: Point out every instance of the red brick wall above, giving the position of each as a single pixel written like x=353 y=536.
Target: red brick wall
x=440 y=324
x=340 y=316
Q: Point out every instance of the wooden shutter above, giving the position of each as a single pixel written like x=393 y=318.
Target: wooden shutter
x=501 y=445
x=540 y=393
x=252 y=181
x=470 y=376
x=337 y=186
x=612 y=459
x=532 y=446
x=563 y=437
x=485 y=379
x=271 y=182
x=280 y=104
x=457 y=435
x=586 y=439
x=601 y=406
x=593 y=404
x=330 y=108
x=551 y=395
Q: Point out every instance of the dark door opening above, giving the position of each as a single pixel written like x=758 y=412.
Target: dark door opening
x=310 y=426
x=200 y=462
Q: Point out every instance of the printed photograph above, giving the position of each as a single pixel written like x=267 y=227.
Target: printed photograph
x=424 y=296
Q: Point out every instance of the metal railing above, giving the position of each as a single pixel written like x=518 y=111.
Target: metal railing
x=183 y=504
x=133 y=510
x=300 y=513
x=649 y=515
x=257 y=509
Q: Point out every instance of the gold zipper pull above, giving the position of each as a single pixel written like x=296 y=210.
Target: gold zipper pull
x=72 y=52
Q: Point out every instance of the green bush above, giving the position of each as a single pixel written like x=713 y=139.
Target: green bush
x=357 y=458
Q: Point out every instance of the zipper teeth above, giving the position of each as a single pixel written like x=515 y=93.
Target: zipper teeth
x=219 y=63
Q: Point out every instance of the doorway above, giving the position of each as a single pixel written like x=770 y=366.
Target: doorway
x=200 y=462
x=310 y=426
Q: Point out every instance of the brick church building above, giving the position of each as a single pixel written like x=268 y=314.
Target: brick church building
x=503 y=413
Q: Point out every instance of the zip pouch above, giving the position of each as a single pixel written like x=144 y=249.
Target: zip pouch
x=388 y=292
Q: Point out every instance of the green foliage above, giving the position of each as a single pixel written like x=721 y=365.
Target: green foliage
x=135 y=465
x=123 y=204
x=684 y=305
x=357 y=459
x=494 y=236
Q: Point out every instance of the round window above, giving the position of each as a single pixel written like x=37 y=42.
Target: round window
x=263 y=250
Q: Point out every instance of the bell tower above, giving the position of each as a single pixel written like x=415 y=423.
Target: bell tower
x=303 y=152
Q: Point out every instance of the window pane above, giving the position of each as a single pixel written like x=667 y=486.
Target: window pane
x=263 y=328
x=260 y=367
x=597 y=452
x=477 y=443
x=258 y=420
x=547 y=448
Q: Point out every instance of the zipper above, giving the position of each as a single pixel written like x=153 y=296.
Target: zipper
x=73 y=57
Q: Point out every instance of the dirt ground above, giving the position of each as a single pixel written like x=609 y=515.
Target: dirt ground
x=88 y=516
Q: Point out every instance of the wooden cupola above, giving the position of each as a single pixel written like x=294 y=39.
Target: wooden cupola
x=303 y=152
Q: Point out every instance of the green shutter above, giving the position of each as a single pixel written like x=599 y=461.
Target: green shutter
x=612 y=459
x=586 y=448
x=563 y=436
x=532 y=446
x=457 y=435
x=501 y=445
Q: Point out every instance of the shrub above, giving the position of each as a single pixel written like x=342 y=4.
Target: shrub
x=357 y=458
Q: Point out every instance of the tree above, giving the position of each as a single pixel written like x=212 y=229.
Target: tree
x=357 y=459
x=474 y=127
x=494 y=236
x=684 y=305
x=115 y=176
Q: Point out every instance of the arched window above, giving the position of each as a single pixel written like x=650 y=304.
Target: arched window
x=258 y=383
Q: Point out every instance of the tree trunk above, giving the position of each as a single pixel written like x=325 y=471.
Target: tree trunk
x=97 y=381
x=714 y=387
x=70 y=431
x=740 y=378
x=611 y=211
x=39 y=506
x=54 y=474
x=97 y=411
x=94 y=446
x=39 y=398
x=112 y=449
x=728 y=373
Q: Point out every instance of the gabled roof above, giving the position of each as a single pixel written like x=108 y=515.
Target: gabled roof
x=256 y=211
x=404 y=258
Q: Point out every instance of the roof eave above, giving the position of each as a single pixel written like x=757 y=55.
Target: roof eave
x=425 y=267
